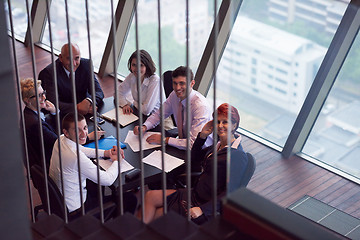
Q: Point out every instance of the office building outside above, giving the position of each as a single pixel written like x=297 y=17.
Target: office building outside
x=270 y=63
x=323 y=14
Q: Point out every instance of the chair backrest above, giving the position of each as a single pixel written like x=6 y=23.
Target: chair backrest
x=168 y=82
x=55 y=197
x=249 y=171
x=168 y=88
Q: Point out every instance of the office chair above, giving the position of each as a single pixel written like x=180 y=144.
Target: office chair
x=56 y=198
x=168 y=88
x=167 y=76
x=207 y=207
x=249 y=171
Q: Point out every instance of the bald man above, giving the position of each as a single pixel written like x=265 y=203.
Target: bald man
x=82 y=70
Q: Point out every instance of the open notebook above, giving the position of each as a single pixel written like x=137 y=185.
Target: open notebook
x=123 y=119
x=171 y=162
x=124 y=165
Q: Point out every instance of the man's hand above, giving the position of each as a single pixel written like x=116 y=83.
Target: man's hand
x=154 y=139
x=91 y=109
x=84 y=107
x=127 y=109
x=195 y=212
x=207 y=129
x=49 y=106
x=137 y=131
x=92 y=135
x=112 y=153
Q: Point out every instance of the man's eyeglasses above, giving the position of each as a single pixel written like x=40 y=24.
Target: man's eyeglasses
x=41 y=95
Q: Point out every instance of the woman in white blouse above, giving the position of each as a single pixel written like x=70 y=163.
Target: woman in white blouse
x=150 y=82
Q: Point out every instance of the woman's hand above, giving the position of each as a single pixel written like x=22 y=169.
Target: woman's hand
x=49 y=106
x=127 y=109
x=195 y=212
x=92 y=135
x=207 y=129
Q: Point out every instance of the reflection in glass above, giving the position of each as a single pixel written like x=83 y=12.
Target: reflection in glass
x=271 y=59
x=19 y=16
x=335 y=138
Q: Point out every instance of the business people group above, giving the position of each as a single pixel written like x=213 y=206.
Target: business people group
x=199 y=133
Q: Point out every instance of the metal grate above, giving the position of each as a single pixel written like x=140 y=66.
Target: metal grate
x=327 y=216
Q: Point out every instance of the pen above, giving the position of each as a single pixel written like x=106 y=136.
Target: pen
x=99 y=128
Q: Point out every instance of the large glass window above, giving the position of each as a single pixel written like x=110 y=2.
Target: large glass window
x=287 y=51
x=173 y=32
x=19 y=16
x=100 y=22
x=335 y=138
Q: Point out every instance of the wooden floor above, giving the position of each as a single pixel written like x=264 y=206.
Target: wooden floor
x=283 y=181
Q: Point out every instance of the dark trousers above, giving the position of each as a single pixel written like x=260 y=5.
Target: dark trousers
x=92 y=201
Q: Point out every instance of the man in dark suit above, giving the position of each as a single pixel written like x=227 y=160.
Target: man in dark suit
x=82 y=71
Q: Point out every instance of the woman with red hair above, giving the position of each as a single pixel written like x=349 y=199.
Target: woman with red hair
x=202 y=159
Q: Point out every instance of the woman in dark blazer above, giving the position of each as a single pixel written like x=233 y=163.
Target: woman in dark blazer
x=32 y=123
x=202 y=160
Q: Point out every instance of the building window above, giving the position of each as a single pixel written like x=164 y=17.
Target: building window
x=19 y=16
x=249 y=29
x=337 y=127
x=253 y=71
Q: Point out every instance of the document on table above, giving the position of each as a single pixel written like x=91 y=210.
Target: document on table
x=124 y=165
x=124 y=119
x=133 y=141
x=171 y=162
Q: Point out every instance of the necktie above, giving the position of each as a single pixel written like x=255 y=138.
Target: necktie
x=179 y=121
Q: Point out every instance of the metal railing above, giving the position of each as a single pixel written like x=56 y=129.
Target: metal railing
x=115 y=64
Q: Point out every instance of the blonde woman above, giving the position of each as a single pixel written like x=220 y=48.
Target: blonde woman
x=32 y=125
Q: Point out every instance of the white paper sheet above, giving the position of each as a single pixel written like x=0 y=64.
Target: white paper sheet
x=133 y=141
x=171 y=162
x=124 y=165
x=124 y=119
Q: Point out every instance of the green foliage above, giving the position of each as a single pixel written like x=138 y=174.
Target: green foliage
x=173 y=53
x=350 y=72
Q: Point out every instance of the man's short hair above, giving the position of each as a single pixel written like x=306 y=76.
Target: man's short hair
x=182 y=72
x=27 y=87
x=70 y=118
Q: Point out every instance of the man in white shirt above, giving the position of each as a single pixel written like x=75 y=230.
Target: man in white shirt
x=200 y=112
x=88 y=169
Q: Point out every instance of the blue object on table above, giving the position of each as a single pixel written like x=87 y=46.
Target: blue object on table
x=106 y=143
